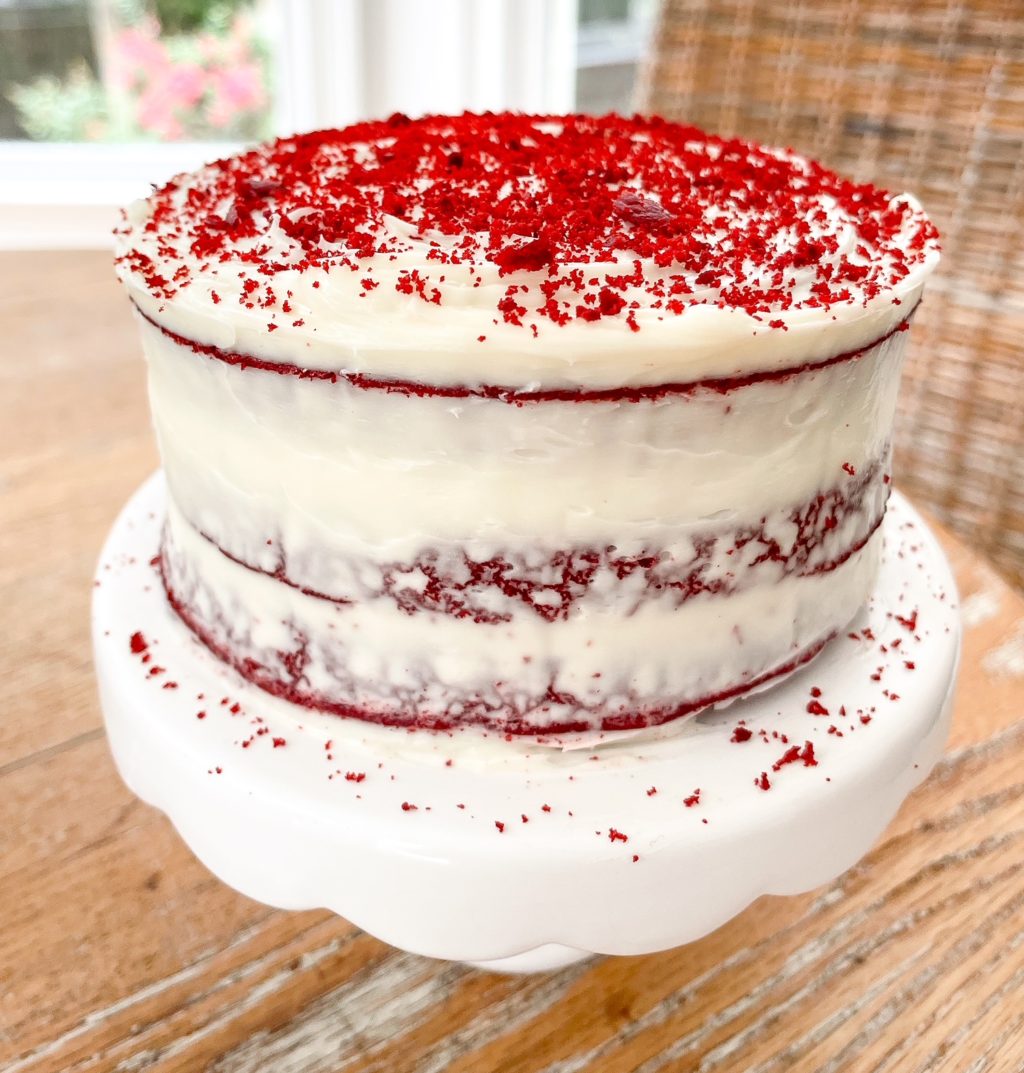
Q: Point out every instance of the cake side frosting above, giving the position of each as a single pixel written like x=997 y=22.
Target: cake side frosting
x=592 y=670
x=325 y=475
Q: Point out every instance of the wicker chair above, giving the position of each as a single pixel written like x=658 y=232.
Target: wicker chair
x=919 y=95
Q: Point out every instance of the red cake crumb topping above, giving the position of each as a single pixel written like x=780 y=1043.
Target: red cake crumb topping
x=908 y=622
x=585 y=217
x=795 y=754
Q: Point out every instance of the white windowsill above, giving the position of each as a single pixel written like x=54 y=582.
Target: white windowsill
x=55 y=194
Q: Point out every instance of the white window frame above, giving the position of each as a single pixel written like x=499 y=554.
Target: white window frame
x=436 y=56
x=618 y=41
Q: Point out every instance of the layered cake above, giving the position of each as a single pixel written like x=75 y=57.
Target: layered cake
x=546 y=424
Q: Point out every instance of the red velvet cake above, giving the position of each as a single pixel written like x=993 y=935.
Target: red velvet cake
x=543 y=423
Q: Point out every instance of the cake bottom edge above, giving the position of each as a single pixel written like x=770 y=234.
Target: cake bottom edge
x=635 y=718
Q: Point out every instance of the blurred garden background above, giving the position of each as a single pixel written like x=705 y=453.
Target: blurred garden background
x=101 y=98
x=134 y=70
x=192 y=70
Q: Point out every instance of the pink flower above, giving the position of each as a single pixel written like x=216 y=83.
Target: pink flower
x=137 y=54
x=240 y=87
x=155 y=114
x=222 y=83
x=140 y=45
x=219 y=113
x=185 y=84
x=209 y=47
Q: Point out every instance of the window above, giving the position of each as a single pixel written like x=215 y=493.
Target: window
x=612 y=39
x=132 y=71
x=98 y=98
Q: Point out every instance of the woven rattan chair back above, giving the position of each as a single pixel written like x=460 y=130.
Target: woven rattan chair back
x=919 y=95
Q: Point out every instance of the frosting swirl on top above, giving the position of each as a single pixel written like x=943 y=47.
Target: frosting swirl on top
x=339 y=248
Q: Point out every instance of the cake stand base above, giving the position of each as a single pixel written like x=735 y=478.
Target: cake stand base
x=528 y=855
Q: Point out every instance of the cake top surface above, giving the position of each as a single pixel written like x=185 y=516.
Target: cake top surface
x=535 y=223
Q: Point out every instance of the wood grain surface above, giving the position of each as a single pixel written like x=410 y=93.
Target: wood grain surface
x=118 y=951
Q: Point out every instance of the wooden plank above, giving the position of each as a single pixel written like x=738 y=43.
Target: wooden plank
x=120 y=952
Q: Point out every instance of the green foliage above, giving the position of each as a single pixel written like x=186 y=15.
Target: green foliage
x=182 y=16
x=61 y=110
x=162 y=83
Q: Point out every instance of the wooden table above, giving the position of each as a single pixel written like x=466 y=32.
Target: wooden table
x=118 y=951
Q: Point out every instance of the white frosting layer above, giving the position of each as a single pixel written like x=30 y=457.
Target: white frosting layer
x=375 y=656
x=329 y=472
x=391 y=335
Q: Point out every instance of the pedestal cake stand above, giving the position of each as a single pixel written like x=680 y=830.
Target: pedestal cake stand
x=529 y=855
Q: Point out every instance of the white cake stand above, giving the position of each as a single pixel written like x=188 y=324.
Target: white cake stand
x=516 y=855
